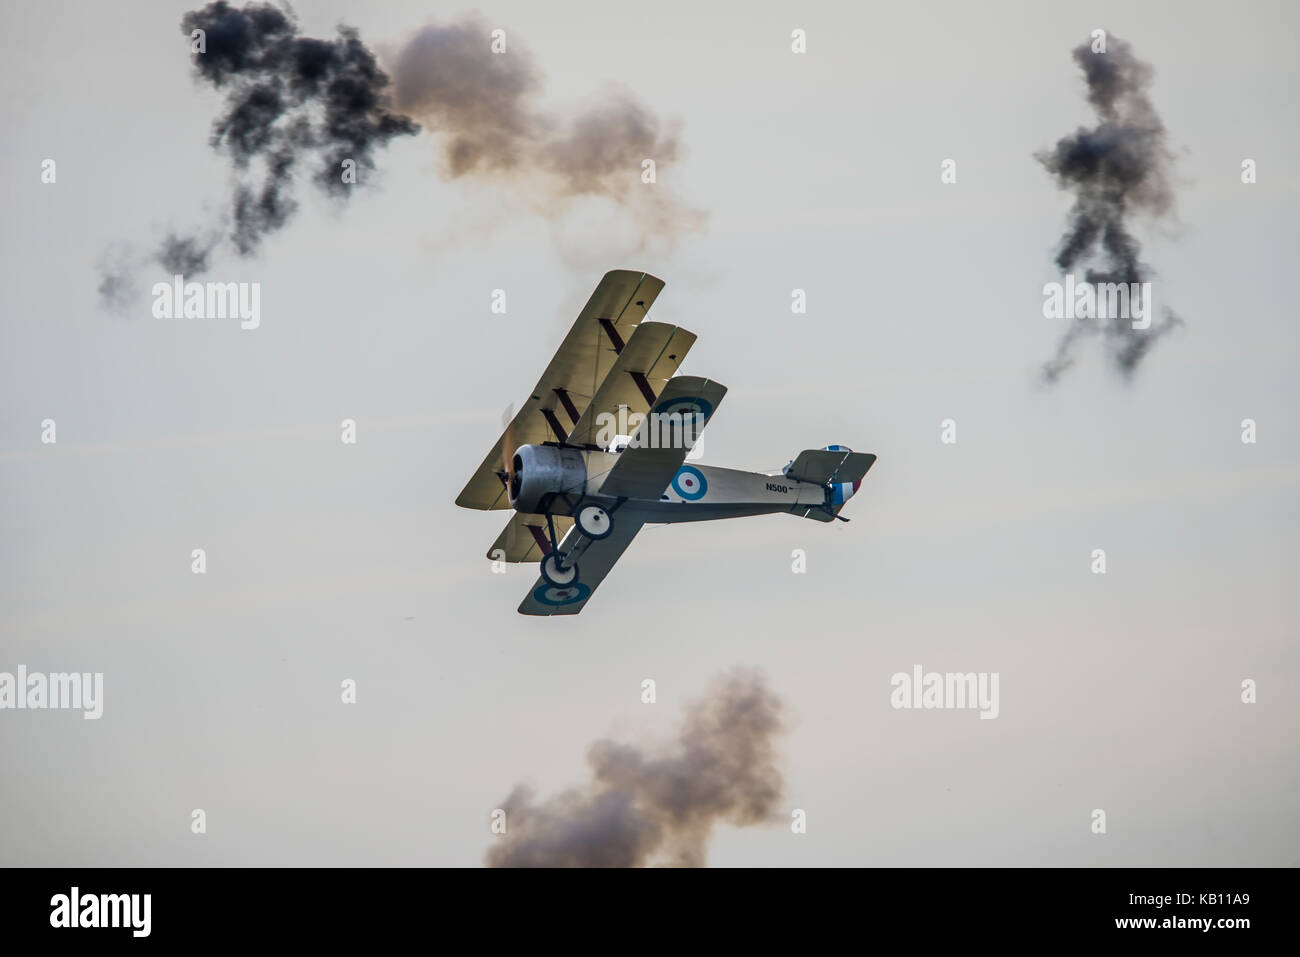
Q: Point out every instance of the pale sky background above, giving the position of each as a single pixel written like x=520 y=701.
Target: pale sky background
x=819 y=172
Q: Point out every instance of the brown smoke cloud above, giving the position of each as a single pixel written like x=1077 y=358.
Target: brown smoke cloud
x=482 y=109
x=658 y=808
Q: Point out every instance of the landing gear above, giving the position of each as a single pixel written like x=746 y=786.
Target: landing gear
x=556 y=573
x=594 y=522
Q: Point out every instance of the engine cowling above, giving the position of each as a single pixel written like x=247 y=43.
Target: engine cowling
x=544 y=471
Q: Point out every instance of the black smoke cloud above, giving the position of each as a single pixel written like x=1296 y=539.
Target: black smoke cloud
x=288 y=102
x=644 y=808
x=482 y=107
x=1119 y=167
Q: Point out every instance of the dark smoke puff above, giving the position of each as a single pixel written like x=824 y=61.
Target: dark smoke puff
x=288 y=98
x=1113 y=169
x=236 y=40
x=1118 y=168
x=248 y=129
x=346 y=80
x=185 y=255
x=258 y=213
x=1114 y=76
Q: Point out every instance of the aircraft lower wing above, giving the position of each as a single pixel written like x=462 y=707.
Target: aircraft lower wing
x=594 y=559
x=656 y=452
x=525 y=539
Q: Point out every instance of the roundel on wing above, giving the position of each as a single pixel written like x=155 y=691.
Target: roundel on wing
x=687 y=404
x=562 y=595
x=689 y=483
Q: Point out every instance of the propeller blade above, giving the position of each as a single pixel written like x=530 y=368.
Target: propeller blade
x=508 y=461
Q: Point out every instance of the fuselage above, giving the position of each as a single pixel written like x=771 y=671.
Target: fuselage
x=700 y=493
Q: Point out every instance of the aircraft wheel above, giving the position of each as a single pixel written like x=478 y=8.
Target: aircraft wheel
x=594 y=522
x=557 y=574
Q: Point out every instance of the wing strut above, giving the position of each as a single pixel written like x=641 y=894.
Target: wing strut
x=569 y=407
x=643 y=384
x=614 y=337
x=607 y=326
x=554 y=423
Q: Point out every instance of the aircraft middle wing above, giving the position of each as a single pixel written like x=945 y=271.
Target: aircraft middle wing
x=604 y=327
x=638 y=377
x=645 y=468
x=595 y=559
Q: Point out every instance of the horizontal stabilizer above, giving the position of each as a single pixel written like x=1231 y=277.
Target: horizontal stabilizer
x=822 y=466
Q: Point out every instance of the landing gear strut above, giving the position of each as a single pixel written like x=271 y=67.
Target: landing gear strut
x=594 y=523
x=556 y=573
x=554 y=570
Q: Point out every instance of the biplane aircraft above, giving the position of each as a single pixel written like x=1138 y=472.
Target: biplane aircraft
x=580 y=496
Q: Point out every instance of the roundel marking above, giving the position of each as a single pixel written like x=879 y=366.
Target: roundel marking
x=565 y=595
x=689 y=483
x=686 y=403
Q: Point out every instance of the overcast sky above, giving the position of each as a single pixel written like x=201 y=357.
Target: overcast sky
x=820 y=172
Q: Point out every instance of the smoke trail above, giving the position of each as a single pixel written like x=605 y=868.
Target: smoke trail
x=119 y=285
x=482 y=107
x=290 y=101
x=643 y=808
x=1119 y=166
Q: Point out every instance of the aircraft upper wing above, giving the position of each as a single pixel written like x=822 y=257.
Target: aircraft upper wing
x=524 y=539
x=593 y=346
x=594 y=558
x=648 y=464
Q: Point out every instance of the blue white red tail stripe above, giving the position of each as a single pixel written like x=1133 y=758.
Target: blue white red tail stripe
x=841 y=492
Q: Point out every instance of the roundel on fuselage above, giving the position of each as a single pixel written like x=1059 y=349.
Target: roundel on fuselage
x=690 y=483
